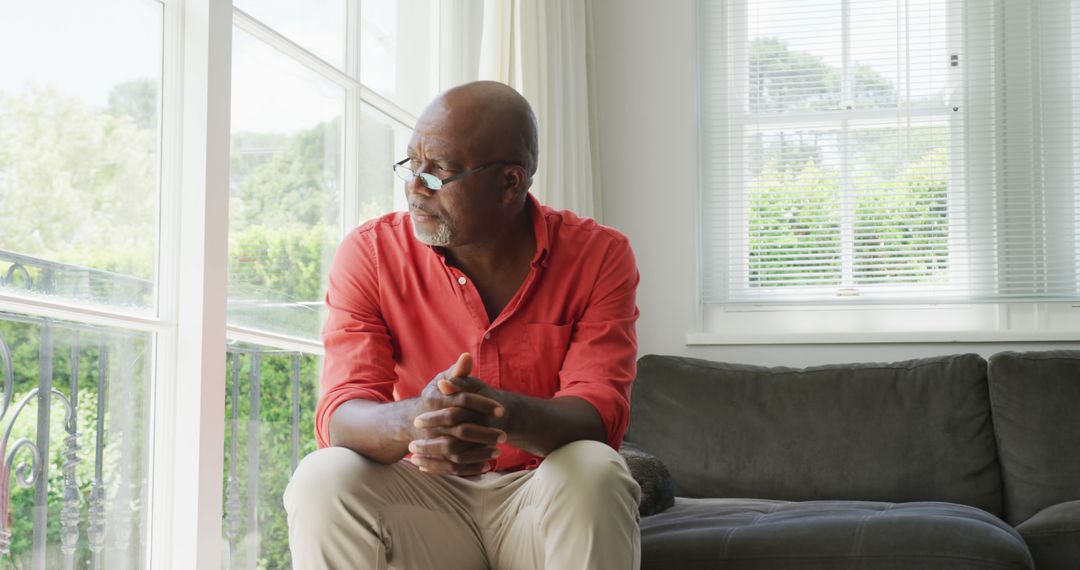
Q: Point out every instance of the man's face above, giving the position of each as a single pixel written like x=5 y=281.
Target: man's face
x=459 y=212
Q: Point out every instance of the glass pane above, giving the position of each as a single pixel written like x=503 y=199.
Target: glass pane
x=78 y=397
x=79 y=132
x=397 y=40
x=899 y=178
x=899 y=52
x=794 y=199
x=383 y=141
x=316 y=25
x=269 y=413
x=286 y=184
x=795 y=55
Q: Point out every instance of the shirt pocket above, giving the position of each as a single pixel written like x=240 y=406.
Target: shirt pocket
x=541 y=350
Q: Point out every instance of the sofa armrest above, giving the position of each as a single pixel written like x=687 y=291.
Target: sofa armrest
x=657 y=488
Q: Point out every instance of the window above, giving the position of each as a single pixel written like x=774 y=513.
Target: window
x=866 y=159
x=79 y=154
x=314 y=130
x=80 y=160
x=159 y=360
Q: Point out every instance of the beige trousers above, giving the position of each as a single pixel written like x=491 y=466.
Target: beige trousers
x=577 y=510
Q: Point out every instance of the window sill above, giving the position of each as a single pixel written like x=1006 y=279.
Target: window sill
x=1013 y=322
x=704 y=338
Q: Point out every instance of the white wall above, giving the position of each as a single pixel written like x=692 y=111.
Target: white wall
x=646 y=88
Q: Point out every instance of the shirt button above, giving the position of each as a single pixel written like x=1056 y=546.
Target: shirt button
x=461 y=280
x=487 y=336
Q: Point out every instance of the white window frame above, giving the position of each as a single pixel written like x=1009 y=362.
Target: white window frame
x=789 y=322
x=186 y=446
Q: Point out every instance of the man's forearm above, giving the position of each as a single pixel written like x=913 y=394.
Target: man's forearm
x=541 y=426
x=380 y=432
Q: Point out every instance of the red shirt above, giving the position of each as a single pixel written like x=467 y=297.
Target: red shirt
x=399 y=315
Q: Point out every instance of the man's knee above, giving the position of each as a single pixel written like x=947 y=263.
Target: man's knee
x=589 y=469
x=327 y=476
x=585 y=458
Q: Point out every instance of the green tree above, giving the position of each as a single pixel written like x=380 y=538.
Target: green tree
x=794 y=225
x=902 y=229
x=138 y=100
x=785 y=80
x=282 y=272
x=286 y=180
x=78 y=185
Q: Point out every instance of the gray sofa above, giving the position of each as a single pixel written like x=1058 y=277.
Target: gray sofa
x=948 y=462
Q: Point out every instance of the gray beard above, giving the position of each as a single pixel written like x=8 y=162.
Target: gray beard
x=440 y=237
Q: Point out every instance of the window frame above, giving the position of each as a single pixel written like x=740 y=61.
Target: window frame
x=188 y=388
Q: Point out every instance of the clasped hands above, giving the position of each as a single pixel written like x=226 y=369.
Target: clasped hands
x=460 y=421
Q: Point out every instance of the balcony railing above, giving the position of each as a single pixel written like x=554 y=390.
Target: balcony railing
x=270 y=408
x=98 y=448
x=27 y=273
x=74 y=416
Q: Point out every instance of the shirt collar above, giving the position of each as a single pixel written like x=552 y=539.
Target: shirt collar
x=540 y=230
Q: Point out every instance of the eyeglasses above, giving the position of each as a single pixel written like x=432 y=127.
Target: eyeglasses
x=432 y=182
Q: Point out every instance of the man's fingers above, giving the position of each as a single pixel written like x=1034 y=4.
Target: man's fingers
x=476 y=434
x=447 y=455
x=441 y=446
x=453 y=450
x=439 y=423
x=477 y=403
x=463 y=367
x=448 y=417
x=465 y=384
x=446 y=387
x=474 y=455
x=440 y=466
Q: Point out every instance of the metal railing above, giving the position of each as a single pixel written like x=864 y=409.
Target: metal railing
x=74 y=281
x=88 y=499
x=251 y=500
x=110 y=506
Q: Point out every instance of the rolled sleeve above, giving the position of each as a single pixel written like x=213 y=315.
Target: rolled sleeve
x=358 y=361
x=601 y=362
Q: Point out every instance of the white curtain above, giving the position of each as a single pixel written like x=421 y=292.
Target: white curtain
x=543 y=48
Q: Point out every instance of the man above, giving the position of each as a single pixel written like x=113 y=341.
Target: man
x=507 y=458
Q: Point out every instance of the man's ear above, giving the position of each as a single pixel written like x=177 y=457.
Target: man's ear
x=516 y=183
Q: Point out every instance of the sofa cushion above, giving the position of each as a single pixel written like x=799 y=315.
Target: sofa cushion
x=744 y=534
x=1053 y=536
x=657 y=489
x=918 y=430
x=1035 y=397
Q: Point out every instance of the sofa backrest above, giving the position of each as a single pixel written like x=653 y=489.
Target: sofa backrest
x=1035 y=397
x=918 y=430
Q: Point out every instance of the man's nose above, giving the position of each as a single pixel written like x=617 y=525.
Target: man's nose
x=416 y=186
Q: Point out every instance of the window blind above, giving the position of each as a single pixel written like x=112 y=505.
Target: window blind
x=875 y=151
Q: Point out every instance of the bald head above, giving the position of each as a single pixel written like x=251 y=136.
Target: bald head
x=488 y=120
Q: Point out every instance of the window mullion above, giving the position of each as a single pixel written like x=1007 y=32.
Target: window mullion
x=275 y=341
x=847 y=202
x=1019 y=199
x=731 y=188
x=847 y=213
x=350 y=196
x=189 y=395
x=55 y=309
